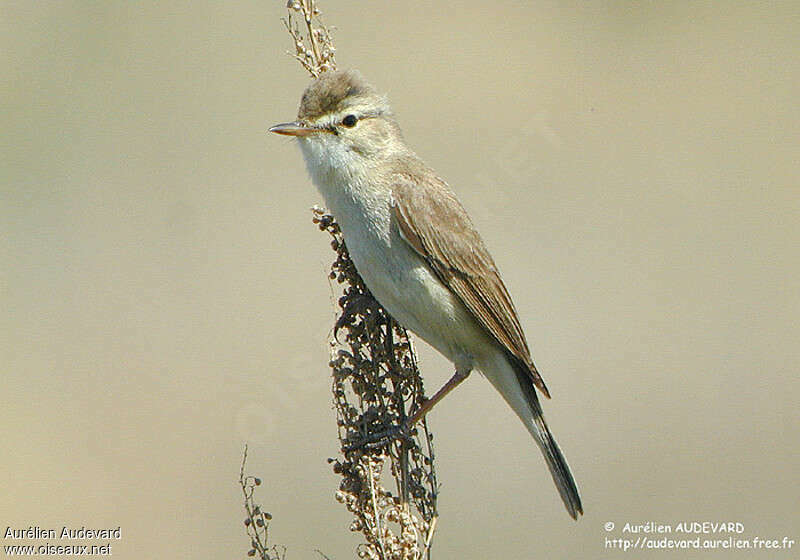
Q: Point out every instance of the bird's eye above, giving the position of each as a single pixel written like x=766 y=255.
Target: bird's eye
x=350 y=121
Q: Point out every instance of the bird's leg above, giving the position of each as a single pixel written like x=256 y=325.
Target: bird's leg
x=380 y=439
x=458 y=377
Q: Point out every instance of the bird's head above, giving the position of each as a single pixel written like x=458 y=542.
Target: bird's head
x=343 y=122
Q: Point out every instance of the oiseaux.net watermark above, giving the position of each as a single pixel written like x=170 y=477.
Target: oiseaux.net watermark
x=62 y=541
x=690 y=535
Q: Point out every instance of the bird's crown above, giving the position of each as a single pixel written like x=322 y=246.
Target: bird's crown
x=334 y=92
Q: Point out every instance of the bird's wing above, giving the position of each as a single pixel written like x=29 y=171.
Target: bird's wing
x=432 y=221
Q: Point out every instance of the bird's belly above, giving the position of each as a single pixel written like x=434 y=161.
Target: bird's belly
x=407 y=288
x=402 y=281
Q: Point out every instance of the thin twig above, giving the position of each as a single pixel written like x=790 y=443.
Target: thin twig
x=321 y=56
x=377 y=516
x=257 y=521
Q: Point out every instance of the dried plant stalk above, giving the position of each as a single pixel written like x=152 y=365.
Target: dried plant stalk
x=257 y=521
x=313 y=43
x=376 y=385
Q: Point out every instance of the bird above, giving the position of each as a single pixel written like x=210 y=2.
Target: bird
x=418 y=251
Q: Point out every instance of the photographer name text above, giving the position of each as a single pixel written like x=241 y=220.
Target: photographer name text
x=34 y=532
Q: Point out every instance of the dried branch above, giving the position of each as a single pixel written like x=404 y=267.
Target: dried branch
x=376 y=385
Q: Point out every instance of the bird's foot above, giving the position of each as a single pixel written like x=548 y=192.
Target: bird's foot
x=355 y=305
x=380 y=439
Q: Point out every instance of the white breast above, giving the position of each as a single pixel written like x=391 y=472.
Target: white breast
x=395 y=274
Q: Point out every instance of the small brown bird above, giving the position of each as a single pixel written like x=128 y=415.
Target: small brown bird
x=417 y=250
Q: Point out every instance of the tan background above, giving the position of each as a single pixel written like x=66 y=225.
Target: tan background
x=632 y=166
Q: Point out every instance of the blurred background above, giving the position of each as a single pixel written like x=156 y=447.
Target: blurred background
x=632 y=166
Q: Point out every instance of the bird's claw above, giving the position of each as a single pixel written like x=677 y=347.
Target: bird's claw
x=384 y=438
x=357 y=304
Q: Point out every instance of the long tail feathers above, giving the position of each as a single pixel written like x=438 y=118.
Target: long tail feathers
x=558 y=468
x=556 y=462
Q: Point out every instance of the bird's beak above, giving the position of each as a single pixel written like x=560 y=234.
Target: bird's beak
x=295 y=128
